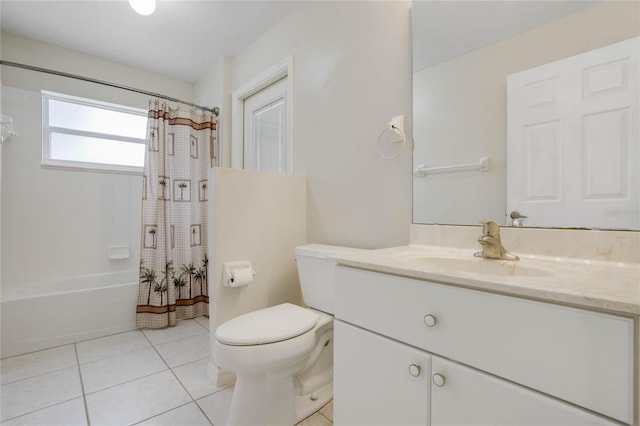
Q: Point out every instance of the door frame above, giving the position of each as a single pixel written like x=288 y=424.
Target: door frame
x=284 y=68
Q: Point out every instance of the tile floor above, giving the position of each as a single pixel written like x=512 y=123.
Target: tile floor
x=142 y=377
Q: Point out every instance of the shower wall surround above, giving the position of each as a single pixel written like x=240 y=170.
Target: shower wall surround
x=58 y=225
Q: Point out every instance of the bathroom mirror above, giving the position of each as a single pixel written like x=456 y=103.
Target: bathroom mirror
x=463 y=52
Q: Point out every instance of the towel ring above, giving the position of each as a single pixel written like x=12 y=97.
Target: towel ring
x=393 y=129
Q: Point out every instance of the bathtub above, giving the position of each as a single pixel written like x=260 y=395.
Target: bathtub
x=42 y=315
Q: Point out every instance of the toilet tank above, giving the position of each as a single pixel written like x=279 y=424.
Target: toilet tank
x=317 y=274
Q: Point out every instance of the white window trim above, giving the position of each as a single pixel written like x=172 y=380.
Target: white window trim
x=284 y=68
x=49 y=163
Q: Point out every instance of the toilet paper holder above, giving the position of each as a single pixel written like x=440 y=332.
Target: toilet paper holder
x=237 y=273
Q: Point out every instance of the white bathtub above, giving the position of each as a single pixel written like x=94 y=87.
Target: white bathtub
x=42 y=315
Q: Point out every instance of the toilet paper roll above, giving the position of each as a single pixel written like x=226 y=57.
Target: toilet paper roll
x=241 y=277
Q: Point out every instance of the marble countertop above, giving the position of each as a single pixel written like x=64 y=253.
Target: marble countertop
x=610 y=286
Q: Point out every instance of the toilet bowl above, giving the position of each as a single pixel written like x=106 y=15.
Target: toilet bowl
x=283 y=355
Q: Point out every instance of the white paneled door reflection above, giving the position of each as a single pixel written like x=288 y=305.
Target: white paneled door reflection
x=573 y=151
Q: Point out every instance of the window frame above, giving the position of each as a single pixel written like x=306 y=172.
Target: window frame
x=47 y=131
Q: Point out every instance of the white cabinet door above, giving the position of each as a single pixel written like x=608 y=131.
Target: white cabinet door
x=470 y=397
x=573 y=140
x=378 y=381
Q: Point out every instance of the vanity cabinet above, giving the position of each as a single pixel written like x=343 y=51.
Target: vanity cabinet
x=502 y=360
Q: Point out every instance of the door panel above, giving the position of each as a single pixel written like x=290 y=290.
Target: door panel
x=573 y=151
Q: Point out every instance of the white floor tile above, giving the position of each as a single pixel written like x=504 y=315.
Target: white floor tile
x=126 y=382
x=315 y=420
x=39 y=392
x=193 y=377
x=183 y=351
x=203 y=321
x=29 y=365
x=188 y=415
x=216 y=406
x=70 y=413
x=115 y=370
x=183 y=329
x=104 y=347
x=136 y=401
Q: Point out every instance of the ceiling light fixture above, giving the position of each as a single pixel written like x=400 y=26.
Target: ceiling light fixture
x=143 y=7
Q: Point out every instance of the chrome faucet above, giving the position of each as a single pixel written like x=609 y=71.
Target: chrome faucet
x=491 y=244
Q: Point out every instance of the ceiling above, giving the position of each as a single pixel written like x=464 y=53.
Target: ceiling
x=185 y=38
x=181 y=39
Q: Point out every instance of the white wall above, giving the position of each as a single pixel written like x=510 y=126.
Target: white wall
x=58 y=223
x=32 y=52
x=214 y=89
x=259 y=217
x=460 y=110
x=352 y=75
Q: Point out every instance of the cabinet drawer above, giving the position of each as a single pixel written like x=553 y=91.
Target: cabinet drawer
x=580 y=356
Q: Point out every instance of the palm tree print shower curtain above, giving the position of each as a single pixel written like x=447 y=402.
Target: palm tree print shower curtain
x=174 y=275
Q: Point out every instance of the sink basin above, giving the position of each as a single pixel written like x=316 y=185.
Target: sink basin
x=502 y=268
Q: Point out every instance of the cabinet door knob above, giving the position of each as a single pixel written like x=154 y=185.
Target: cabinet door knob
x=430 y=320
x=415 y=370
x=439 y=380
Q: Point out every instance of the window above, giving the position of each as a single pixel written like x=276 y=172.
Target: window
x=92 y=135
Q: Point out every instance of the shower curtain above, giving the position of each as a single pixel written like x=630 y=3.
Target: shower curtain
x=174 y=275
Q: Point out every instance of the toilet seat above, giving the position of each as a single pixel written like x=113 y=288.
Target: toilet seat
x=270 y=325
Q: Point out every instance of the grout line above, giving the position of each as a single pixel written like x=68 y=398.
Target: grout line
x=40 y=350
x=128 y=381
x=84 y=395
x=117 y=353
x=114 y=355
x=190 y=362
x=206 y=396
x=156 y=349
x=164 y=412
x=322 y=414
x=38 y=374
x=39 y=409
x=204 y=414
x=171 y=369
x=142 y=330
x=78 y=365
x=193 y=400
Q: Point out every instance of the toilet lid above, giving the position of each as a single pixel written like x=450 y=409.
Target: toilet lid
x=269 y=325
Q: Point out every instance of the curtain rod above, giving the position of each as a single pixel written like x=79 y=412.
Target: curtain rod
x=214 y=110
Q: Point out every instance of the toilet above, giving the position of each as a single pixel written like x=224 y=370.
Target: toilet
x=283 y=355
